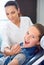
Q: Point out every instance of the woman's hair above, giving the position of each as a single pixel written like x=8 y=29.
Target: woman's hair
x=12 y=3
x=40 y=28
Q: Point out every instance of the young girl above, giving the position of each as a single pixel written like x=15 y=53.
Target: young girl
x=30 y=45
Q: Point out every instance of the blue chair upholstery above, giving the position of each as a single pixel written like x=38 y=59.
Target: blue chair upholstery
x=7 y=61
x=36 y=57
x=1 y=55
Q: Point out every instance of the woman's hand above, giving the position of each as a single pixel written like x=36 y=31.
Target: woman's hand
x=16 y=48
x=13 y=50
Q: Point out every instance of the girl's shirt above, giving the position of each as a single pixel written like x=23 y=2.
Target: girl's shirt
x=29 y=51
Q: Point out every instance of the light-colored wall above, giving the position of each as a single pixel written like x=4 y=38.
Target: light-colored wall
x=40 y=11
x=2 y=9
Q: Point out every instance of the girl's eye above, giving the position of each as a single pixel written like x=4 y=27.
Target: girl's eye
x=33 y=37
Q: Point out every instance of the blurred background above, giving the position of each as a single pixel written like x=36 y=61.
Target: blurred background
x=32 y=8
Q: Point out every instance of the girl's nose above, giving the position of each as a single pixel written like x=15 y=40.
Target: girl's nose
x=27 y=38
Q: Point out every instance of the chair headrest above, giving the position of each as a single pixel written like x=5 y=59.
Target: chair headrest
x=42 y=42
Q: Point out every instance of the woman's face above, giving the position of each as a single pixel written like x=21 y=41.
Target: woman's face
x=32 y=37
x=12 y=13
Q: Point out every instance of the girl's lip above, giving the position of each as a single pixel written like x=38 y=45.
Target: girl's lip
x=26 y=42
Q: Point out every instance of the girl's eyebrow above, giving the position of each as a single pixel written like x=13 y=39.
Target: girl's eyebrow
x=27 y=32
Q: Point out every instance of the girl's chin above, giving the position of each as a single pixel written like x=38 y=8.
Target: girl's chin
x=26 y=46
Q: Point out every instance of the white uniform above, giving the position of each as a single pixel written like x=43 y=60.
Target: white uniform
x=11 y=34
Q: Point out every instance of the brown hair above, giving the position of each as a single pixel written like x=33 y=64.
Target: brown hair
x=13 y=3
x=40 y=27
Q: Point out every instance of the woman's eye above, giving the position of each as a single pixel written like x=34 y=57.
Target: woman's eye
x=7 y=13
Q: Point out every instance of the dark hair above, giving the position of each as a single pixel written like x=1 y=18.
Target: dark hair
x=40 y=27
x=13 y=3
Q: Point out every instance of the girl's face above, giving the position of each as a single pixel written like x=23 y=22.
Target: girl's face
x=32 y=37
x=12 y=13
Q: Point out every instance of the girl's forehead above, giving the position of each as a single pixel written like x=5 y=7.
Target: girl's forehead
x=34 y=30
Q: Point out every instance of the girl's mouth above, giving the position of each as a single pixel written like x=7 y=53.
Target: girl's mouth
x=26 y=42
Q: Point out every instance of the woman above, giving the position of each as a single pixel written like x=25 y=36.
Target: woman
x=14 y=30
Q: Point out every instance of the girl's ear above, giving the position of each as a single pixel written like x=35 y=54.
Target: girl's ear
x=38 y=43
